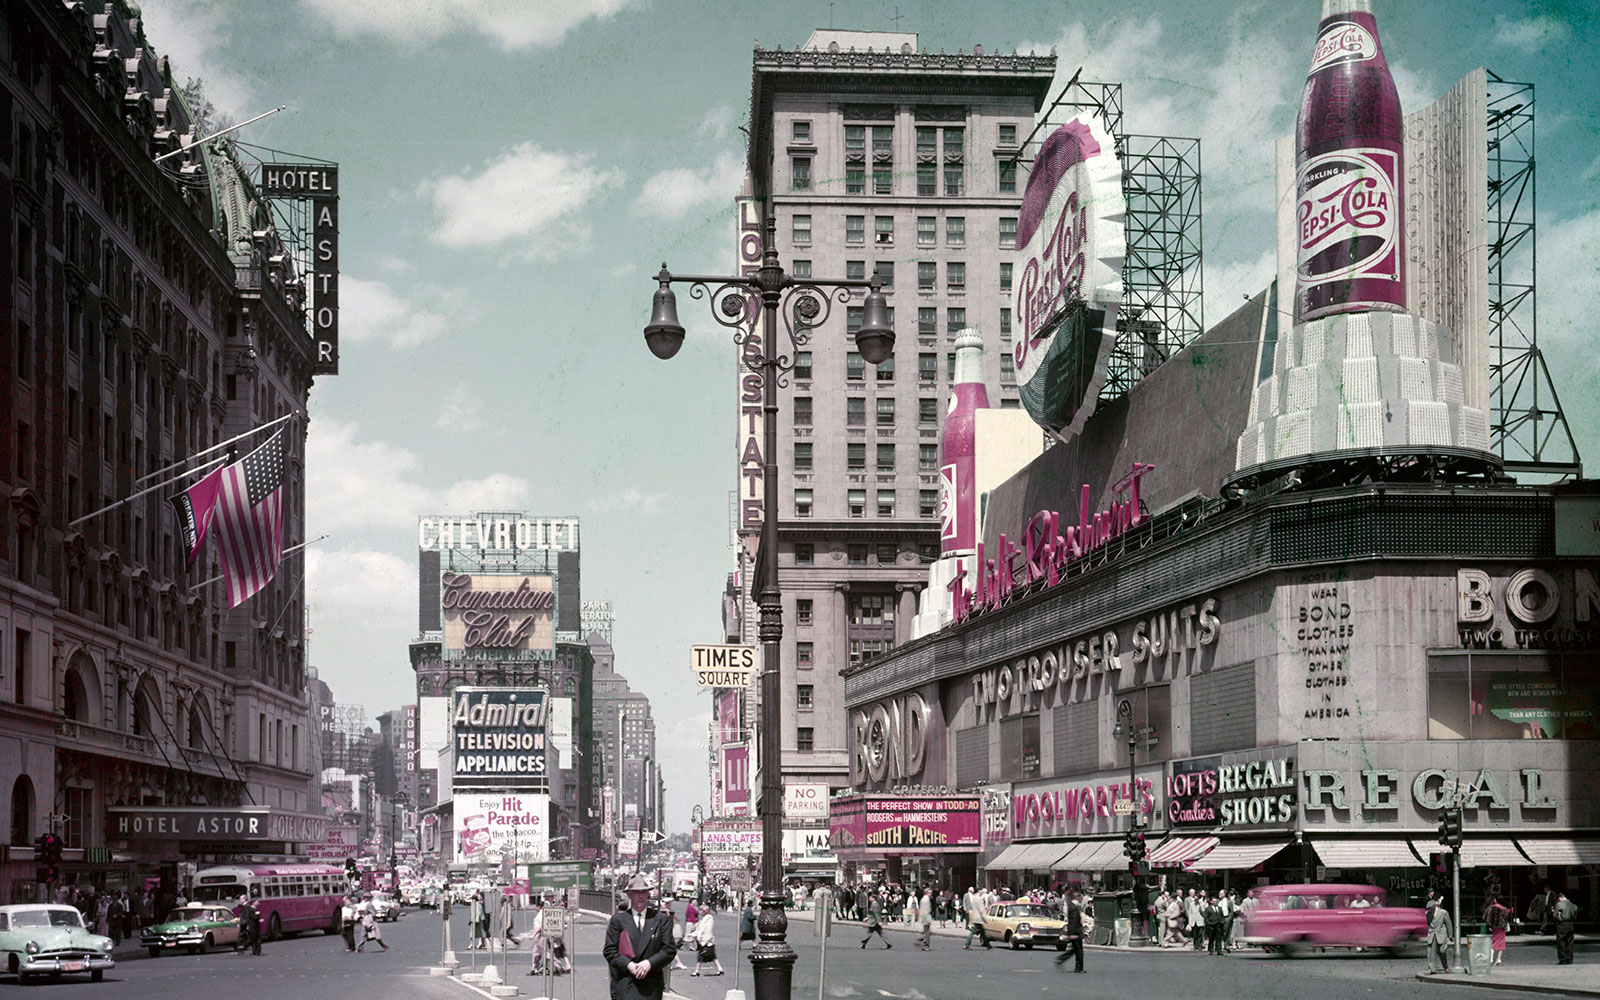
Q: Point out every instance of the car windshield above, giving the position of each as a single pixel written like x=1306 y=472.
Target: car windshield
x=219 y=893
x=1029 y=910
x=59 y=917
x=180 y=915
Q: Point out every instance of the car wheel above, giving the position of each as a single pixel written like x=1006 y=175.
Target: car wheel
x=96 y=975
x=1012 y=941
x=274 y=928
x=1294 y=949
x=1029 y=946
x=24 y=978
x=195 y=949
x=210 y=943
x=154 y=951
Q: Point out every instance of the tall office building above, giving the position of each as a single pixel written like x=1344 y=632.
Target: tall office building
x=874 y=157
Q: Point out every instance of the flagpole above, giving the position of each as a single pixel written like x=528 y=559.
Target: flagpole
x=292 y=548
x=217 y=447
x=150 y=489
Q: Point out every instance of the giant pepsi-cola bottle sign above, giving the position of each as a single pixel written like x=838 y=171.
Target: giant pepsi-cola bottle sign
x=1349 y=173
x=958 y=491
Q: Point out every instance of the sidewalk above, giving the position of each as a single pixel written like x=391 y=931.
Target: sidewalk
x=1571 y=980
x=954 y=930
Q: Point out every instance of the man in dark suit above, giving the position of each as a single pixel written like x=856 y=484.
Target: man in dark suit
x=1073 y=932
x=639 y=946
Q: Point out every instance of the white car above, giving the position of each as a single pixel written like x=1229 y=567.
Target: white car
x=384 y=907
x=50 y=939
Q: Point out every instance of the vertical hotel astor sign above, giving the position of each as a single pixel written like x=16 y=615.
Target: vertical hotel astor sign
x=499 y=738
x=1069 y=275
x=318 y=182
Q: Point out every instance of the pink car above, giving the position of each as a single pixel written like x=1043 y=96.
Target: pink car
x=1292 y=918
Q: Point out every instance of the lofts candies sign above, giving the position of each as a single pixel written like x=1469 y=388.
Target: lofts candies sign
x=499 y=737
x=723 y=666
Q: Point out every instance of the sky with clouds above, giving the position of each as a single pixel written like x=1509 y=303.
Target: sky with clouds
x=513 y=170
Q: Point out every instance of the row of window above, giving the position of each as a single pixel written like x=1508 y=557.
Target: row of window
x=805 y=554
x=940 y=166
x=856 y=501
x=855 y=136
x=955 y=230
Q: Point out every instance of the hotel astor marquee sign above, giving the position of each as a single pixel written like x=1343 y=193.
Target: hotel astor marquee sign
x=221 y=824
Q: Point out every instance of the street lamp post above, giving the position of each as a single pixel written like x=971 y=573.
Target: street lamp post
x=804 y=306
x=1137 y=932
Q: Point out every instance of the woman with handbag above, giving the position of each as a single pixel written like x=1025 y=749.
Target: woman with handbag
x=705 y=942
x=1498 y=916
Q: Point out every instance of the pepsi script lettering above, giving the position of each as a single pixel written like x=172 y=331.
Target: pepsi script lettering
x=499 y=737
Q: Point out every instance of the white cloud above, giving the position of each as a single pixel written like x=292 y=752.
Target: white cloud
x=1569 y=301
x=672 y=194
x=363 y=610
x=461 y=410
x=372 y=311
x=358 y=485
x=1229 y=283
x=512 y=24
x=631 y=500
x=192 y=35
x=1530 y=34
x=718 y=123
x=526 y=196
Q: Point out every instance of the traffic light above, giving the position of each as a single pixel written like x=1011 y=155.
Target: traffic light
x=1137 y=837
x=351 y=872
x=1450 y=828
x=47 y=848
x=1127 y=846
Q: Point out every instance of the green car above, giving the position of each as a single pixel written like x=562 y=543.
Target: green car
x=198 y=927
x=49 y=939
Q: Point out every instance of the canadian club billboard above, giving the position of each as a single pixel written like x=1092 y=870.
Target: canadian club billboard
x=1069 y=275
x=498 y=735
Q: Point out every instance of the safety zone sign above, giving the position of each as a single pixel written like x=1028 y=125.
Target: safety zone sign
x=723 y=666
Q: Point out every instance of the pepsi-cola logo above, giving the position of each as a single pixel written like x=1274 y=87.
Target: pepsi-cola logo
x=1350 y=199
x=1343 y=41
x=947 y=503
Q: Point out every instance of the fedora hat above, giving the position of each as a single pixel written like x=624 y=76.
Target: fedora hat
x=637 y=884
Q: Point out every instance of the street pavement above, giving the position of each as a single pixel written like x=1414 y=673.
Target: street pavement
x=317 y=966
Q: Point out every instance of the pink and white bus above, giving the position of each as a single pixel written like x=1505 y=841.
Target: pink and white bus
x=291 y=897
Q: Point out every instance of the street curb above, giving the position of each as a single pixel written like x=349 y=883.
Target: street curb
x=1483 y=982
x=951 y=932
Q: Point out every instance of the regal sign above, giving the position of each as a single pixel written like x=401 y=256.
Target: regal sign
x=1241 y=794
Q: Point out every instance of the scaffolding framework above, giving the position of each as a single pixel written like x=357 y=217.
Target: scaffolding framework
x=1163 y=274
x=1528 y=429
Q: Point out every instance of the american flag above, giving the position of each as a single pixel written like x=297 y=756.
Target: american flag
x=249 y=520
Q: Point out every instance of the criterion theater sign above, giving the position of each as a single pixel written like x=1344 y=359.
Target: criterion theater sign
x=220 y=824
x=905 y=824
x=499 y=737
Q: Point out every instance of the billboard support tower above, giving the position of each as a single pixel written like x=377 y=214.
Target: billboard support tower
x=1163 y=273
x=1527 y=428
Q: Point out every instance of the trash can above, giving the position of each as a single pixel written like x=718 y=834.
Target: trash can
x=1109 y=908
x=1478 y=955
x=1123 y=930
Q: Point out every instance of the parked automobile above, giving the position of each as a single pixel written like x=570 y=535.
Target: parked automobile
x=1023 y=925
x=50 y=939
x=199 y=927
x=385 y=907
x=1292 y=918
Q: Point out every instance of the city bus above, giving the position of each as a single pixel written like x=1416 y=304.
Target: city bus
x=290 y=897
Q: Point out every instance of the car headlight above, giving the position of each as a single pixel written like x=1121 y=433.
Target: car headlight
x=32 y=947
x=106 y=946
x=1024 y=928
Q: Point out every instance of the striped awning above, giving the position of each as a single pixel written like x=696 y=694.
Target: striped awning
x=1176 y=852
x=1030 y=857
x=1366 y=853
x=1491 y=854
x=1561 y=852
x=1232 y=857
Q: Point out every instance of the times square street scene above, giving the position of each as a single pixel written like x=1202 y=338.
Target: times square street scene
x=1196 y=588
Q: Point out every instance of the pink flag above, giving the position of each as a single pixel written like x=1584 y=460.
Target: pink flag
x=195 y=506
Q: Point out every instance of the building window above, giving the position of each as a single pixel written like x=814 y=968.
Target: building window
x=803 y=696
x=950 y=366
x=804 y=739
x=855 y=139
x=1008 y=369
x=802 y=411
x=856 y=553
x=886 y=503
x=927 y=141
x=1005 y=322
x=955 y=231
x=927 y=275
x=1005 y=277
x=883 y=270
x=882 y=178
x=1008 y=232
x=802 y=611
x=888 y=554
x=857 y=501
x=955 y=319
x=927 y=179
x=855 y=367
x=855 y=270
x=852 y=319
x=886 y=366
x=855 y=456
x=855 y=229
x=805 y=553
x=927 y=368
x=1008 y=177
x=22 y=812
x=802 y=503
x=802 y=132
x=855 y=178
x=802 y=364
x=953 y=138
x=802 y=173
x=886 y=457
x=927 y=230
x=802 y=654
x=886 y=411
x=855 y=411
x=883 y=226
x=955 y=275
x=79 y=802
x=882 y=140
x=927 y=406
x=1008 y=135
x=802 y=229
x=802 y=456
x=927 y=321
x=927 y=503
x=872 y=609
x=927 y=454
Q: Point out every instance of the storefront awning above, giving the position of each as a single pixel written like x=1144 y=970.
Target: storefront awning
x=1236 y=856
x=1178 y=851
x=1492 y=854
x=1108 y=854
x=1082 y=852
x=1562 y=852
x=1366 y=854
x=1030 y=857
